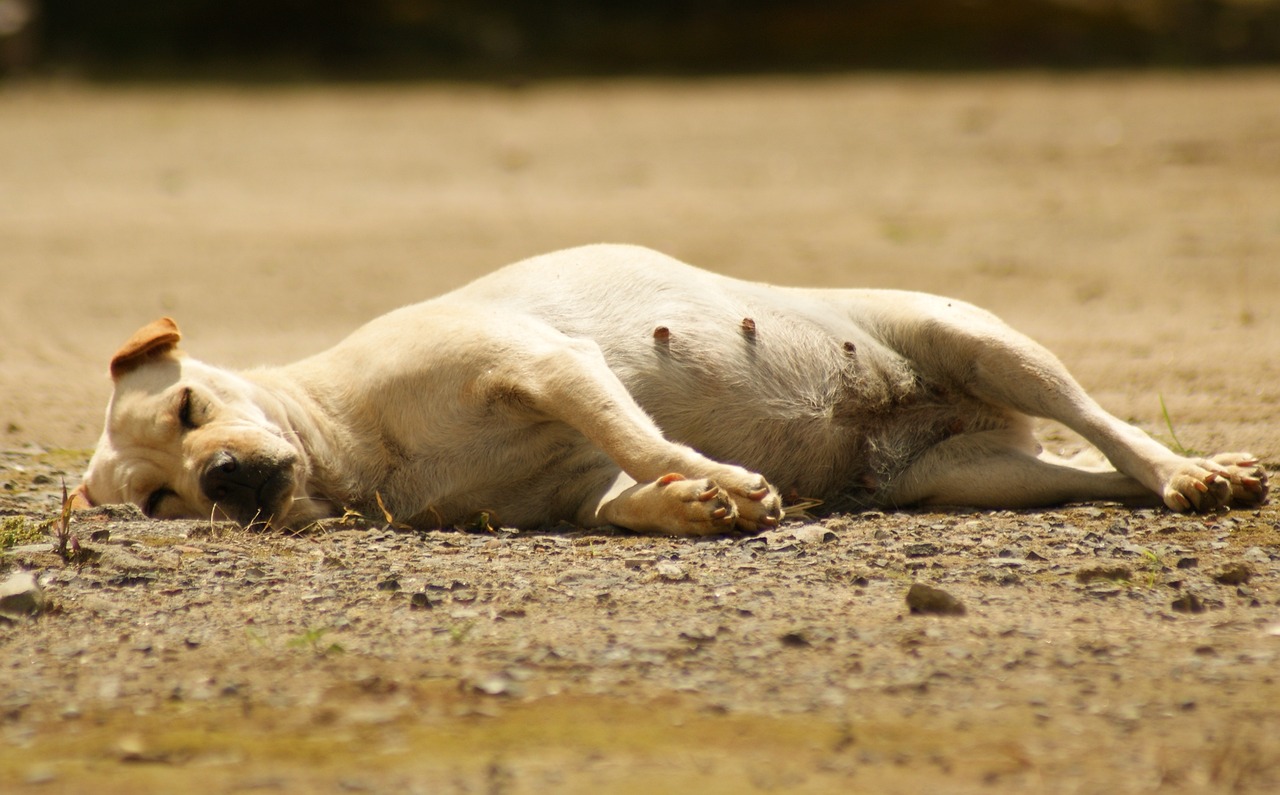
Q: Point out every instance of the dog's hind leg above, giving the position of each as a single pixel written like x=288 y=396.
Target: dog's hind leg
x=995 y=469
x=973 y=350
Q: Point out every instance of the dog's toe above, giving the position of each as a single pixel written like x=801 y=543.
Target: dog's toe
x=1208 y=484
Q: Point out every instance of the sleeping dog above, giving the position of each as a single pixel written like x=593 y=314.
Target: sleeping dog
x=615 y=385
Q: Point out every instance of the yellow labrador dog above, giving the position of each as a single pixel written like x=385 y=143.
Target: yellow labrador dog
x=615 y=385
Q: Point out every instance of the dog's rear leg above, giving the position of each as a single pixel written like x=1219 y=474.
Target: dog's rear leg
x=991 y=361
x=994 y=469
x=666 y=487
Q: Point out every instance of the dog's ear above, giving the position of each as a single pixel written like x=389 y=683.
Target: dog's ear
x=154 y=339
x=80 y=499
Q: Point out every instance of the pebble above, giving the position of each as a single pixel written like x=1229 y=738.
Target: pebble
x=1257 y=555
x=1233 y=574
x=924 y=599
x=1095 y=573
x=21 y=595
x=671 y=572
x=813 y=534
x=1188 y=603
x=921 y=550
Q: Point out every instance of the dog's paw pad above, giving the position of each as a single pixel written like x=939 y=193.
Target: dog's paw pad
x=1244 y=474
x=697 y=506
x=758 y=503
x=1207 y=484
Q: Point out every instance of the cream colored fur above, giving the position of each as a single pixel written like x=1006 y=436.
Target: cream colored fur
x=613 y=384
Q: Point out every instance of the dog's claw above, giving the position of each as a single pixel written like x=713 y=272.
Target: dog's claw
x=759 y=494
x=719 y=513
x=668 y=479
x=709 y=494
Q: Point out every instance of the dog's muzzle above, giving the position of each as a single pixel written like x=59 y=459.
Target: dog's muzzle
x=249 y=491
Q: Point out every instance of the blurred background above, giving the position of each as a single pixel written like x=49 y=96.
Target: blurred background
x=1105 y=174
x=278 y=39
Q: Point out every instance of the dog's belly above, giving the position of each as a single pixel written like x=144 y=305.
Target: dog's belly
x=819 y=415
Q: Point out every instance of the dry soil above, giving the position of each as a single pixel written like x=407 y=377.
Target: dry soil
x=1130 y=222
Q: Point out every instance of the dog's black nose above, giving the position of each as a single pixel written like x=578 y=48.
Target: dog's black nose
x=248 y=491
x=218 y=482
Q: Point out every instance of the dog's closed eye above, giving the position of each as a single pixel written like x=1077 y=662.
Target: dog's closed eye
x=152 y=505
x=185 y=411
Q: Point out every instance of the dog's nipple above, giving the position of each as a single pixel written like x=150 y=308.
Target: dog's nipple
x=662 y=335
x=749 y=327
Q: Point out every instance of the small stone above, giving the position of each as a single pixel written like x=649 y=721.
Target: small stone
x=1188 y=603
x=1234 y=574
x=1096 y=573
x=1257 y=555
x=131 y=748
x=21 y=595
x=921 y=550
x=814 y=534
x=420 y=601
x=671 y=572
x=497 y=685
x=924 y=599
x=390 y=584
x=796 y=639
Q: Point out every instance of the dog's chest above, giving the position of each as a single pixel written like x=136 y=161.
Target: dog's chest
x=518 y=473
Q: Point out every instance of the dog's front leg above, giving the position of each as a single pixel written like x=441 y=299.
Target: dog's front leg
x=666 y=487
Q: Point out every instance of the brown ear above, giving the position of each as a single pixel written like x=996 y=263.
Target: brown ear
x=155 y=338
x=80 y=499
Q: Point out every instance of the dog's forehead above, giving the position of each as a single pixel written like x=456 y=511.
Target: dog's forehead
x=148 y=389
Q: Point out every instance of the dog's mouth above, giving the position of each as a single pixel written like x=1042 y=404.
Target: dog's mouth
x=250 y=491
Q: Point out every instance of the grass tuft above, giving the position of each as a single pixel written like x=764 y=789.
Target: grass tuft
x=1175 y=445
x=16 y=531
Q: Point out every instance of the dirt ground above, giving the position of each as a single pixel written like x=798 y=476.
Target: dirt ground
x=1130 y=222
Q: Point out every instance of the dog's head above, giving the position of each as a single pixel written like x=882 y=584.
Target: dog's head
x=184 y=439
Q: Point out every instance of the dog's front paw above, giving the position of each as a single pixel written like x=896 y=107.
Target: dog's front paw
x=758 y=505
x=1247 y=478
x=694 y=507
x=675 y=505
x=1207 y=484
